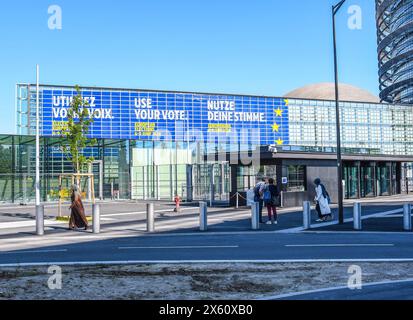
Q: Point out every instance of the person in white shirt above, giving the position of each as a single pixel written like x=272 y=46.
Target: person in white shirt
x=322 y=201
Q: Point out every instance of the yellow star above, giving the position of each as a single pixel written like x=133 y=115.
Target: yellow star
x=275 y=127
x=286 y=102
x=278 y=112
x=279 y=142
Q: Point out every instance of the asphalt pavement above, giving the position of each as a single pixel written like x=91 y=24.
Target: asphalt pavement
x=396 y=290
x=245 y=247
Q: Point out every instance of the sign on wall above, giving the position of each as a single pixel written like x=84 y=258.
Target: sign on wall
x=141 y=115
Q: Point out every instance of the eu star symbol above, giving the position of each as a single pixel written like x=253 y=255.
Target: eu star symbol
x=286 y=102
x=279 y=142
x=275 y=127
x=278 y=112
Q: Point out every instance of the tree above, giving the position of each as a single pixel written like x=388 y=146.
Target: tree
x=78 y=124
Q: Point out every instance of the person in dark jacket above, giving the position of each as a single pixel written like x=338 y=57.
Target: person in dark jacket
x=271 y=194
x=77 y=216
x=258 y=196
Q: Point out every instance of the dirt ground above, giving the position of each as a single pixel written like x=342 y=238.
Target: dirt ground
x=187 y=282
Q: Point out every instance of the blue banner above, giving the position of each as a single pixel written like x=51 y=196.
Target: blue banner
x=140 y=115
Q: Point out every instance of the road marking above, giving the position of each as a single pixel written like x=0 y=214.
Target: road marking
x=173 y=262
x=296 y=294
x=171 y=210
x=180 y=247
x=33 y=251
x=26 y=224
x=342 y=245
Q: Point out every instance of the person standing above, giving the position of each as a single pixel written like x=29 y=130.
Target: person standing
x=258 y=196
x=77 y=216
x=322 y=201
x=271 y=195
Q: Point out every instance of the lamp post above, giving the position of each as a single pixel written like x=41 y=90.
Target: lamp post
x=37 y=182
x=335 y=9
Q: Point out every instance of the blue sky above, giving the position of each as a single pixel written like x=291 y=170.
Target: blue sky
x=267 y=47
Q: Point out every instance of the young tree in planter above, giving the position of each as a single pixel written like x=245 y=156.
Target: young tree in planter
x=78 y=124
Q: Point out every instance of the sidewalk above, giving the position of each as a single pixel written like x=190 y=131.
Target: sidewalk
x=127 y=215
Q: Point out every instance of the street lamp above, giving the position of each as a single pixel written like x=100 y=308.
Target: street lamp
x=335 y=9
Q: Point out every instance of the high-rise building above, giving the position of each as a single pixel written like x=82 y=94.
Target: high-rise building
x=395 y=50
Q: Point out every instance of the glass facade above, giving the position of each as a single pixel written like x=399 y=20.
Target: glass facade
x=366 y=128
x=395 y=50
x=158 y=161
x=17 y=168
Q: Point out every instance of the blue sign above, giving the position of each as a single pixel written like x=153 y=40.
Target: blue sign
x=144 y=115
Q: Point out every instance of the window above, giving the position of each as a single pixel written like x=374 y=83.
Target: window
x=296 y=178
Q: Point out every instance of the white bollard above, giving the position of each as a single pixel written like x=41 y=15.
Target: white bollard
x=40 y=220
x=150 y=217
x=203 y=216
x=306 y=215
x=255 y=212
x=357 y=216
x=96 y=218
x=407 y=217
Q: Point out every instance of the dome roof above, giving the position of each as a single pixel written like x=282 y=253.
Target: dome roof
x=326 y=91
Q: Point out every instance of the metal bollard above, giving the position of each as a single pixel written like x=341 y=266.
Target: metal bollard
x=255 y=212
x=150 y=217
x=307 y=215
x=40 y=220
x=357 y=216
x=407 y=217
x=203 y=216
x=96 y=218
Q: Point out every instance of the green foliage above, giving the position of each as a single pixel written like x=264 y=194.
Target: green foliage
x=76 y=132
x=5 y=160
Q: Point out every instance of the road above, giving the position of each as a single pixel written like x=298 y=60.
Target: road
x=397 y=290
x=236 y=247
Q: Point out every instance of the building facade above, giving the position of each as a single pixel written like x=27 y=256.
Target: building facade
x=156 y=144
x=395 y=50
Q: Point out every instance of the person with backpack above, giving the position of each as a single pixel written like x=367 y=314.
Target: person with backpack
x=258 y=196
x=322 y=200
x=271 y=196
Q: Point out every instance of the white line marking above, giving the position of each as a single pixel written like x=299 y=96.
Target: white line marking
x=165 y=211
x=335 y=222
x=179 y=247
x=342 y=245
x=33 y=251
x=31 y=223
x=295 y=294
x=149 y=262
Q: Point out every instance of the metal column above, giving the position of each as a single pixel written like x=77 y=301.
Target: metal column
x=203 y=216
x=255 y=212
x=306 y=215
x=40 y=220
x=150 y=217
x=357 y=216
x=96 y=218
x=407 y=217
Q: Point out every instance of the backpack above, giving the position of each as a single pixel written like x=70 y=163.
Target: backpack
x=267 y=195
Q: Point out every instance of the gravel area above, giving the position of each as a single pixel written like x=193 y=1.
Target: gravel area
x=187 y=282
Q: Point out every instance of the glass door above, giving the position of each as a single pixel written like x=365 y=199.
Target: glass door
x=367 y=183
x=351 y=176
x=383 y=180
